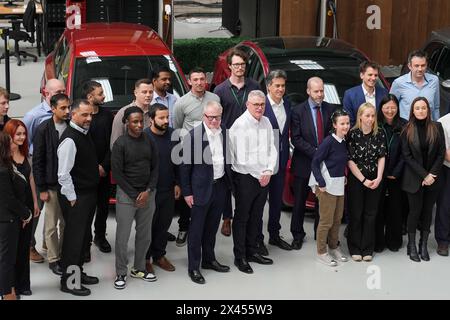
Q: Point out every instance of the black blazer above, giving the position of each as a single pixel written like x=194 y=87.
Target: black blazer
x=10 y=207
x=196 y=171
x=283 y=138
x=394 y=158
x=414 y=172
x=45 y=158
x=303 y=136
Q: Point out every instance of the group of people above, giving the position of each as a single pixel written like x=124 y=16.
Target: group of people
x=380 y=156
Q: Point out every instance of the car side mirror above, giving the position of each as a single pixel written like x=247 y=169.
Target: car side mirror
x=446 y=84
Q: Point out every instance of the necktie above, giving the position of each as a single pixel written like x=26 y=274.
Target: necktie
x=319 y=125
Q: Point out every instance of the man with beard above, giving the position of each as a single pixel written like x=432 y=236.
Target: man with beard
x=167 y=189
x=134 y=163
x=45 y=171
x=100 y=131
x=78 y=177
x=161 y=83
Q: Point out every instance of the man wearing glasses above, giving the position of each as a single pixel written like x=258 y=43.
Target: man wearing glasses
x=205 y=177
x=254 y=160
x=233 y=94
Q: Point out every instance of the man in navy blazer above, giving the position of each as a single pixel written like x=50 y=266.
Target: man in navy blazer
x=205 y=177
x=368 y=91
x=278 y=111
x=304 y=136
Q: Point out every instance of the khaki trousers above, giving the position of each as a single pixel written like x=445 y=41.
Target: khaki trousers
x=53 y=215
x=331 y=209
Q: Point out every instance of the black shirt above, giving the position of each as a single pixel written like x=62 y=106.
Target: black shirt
x=100 y=130
x=365 y=150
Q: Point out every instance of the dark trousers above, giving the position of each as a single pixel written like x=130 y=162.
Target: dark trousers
x=250 y=199
x=9 y=238
x=205 y=221
x=35 y=222
x=77 y=230
x=442 y=222
x=389 y=217
x=185 y=214
x=301 y=190
x=228 y=209
x=162 y=218
x=23 y=258
x=363 y=208
x=275 y=202
x=421 y=207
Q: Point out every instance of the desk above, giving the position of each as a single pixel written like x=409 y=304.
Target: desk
x=7 y=12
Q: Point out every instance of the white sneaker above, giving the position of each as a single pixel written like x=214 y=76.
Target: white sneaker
x=356 y=257
x=338 y=255
x=144 y=275
x=120 y=282
x=327 y=260
x=367 y=258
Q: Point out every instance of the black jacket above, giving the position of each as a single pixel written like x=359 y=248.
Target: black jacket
x=394 y=158
x=10 y=207
x=414 y=172
x=45 y=158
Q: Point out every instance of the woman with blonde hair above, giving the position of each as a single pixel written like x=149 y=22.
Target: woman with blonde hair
x=367 y=149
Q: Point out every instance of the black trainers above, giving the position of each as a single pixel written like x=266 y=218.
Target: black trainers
x=102 y=244
x=171 y=237
x=181 y=239
x=120 y=282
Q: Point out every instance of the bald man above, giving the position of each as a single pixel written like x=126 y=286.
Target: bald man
x=310 y=124
x=32 y=120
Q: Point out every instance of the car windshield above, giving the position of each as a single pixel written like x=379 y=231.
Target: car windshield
x=338 y=74
x=117 y=76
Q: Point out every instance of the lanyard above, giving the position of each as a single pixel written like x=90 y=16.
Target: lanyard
x=389 y=142
x=239 y=103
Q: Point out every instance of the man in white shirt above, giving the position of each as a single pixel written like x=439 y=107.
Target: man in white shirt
x=205 y=177
x=254 y=160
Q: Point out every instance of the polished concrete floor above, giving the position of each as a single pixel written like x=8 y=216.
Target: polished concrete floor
x=294 y=275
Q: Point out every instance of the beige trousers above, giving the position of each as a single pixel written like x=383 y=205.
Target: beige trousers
x=53 y=238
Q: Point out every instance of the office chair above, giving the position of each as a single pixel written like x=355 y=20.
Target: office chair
x=18 y=35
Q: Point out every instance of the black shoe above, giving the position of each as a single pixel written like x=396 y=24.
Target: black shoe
x=393 y=249
x=256 y=257
x=379 y=249
x=171 y=237
x=196 y=277
x=102 y=244
x=243 y=265
x=82 y=291
x=56 y=268
x=280 y=243
x=216 y=266
x=25 y=292
x=261 y=248
x=297 y=244
x=88 y=280
x=181 y=239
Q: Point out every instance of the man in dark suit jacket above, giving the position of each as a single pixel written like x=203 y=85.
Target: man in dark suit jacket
x=307 y=132
x=278 y=111
x=205 y=178
x=368 y=91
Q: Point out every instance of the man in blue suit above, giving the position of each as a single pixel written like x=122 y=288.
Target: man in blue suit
x=310 y=124
x=368 y=91
x=278 y=111
x=205 y=178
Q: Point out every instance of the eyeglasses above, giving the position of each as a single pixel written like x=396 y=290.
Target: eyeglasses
x=237 y=65
x=258 y=105
x=211 y=118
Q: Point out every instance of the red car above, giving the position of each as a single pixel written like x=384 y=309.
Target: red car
x=335 y=61
x=113 y=54
x=116 y=55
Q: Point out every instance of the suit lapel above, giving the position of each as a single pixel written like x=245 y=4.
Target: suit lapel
x=310 y=119
x=416 y=146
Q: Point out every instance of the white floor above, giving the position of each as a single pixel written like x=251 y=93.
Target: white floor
x=294 y=275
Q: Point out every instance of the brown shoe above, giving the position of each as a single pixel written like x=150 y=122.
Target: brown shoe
x=164 y=264
x=226 y=227
x=35 y=256
x=149 y=266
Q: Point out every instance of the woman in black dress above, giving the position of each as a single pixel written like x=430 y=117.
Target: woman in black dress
x=19 y=152
x=13 y=215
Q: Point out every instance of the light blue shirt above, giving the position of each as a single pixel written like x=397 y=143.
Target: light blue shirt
x=406 y=91
x=169 y=101
x=33 y=118
x=313 y=105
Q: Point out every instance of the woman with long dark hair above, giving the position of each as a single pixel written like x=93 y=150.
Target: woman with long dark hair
x=27 y=194
x=13 y=215
x=423 y=148
x=389 y=218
